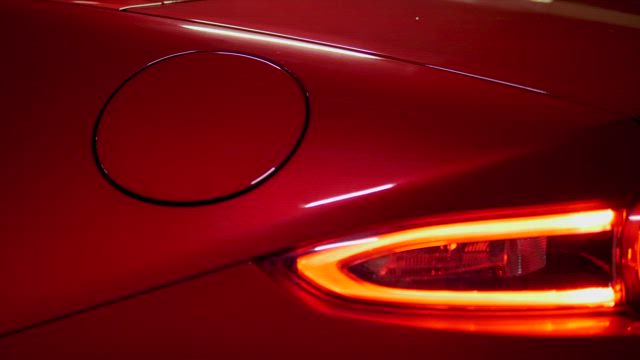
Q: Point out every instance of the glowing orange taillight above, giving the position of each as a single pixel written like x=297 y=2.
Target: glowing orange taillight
x=555 y=261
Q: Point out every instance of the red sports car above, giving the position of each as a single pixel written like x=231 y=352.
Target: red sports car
x=445 y=179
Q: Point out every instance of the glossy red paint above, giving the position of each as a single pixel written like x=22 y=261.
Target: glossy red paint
x=446 y=141
x=200 y=127
x=584 y=51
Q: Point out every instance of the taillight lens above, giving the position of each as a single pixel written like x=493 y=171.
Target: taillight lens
x=628 y=255
x=554 y=260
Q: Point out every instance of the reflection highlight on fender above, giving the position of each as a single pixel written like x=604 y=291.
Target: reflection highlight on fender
x=275 y=39
x=349 y=195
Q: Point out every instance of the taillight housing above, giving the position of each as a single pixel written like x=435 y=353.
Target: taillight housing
x=554 y=260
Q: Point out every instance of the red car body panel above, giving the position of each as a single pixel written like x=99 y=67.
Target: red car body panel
x=582 y=51
x=524 y=129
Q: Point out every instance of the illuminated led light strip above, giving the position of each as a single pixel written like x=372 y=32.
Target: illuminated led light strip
x=323 y=267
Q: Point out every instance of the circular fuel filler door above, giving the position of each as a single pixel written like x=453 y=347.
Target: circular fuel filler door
x=200 y=127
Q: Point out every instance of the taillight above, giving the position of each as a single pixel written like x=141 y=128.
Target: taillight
x=554 y=270
x=551 y=261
